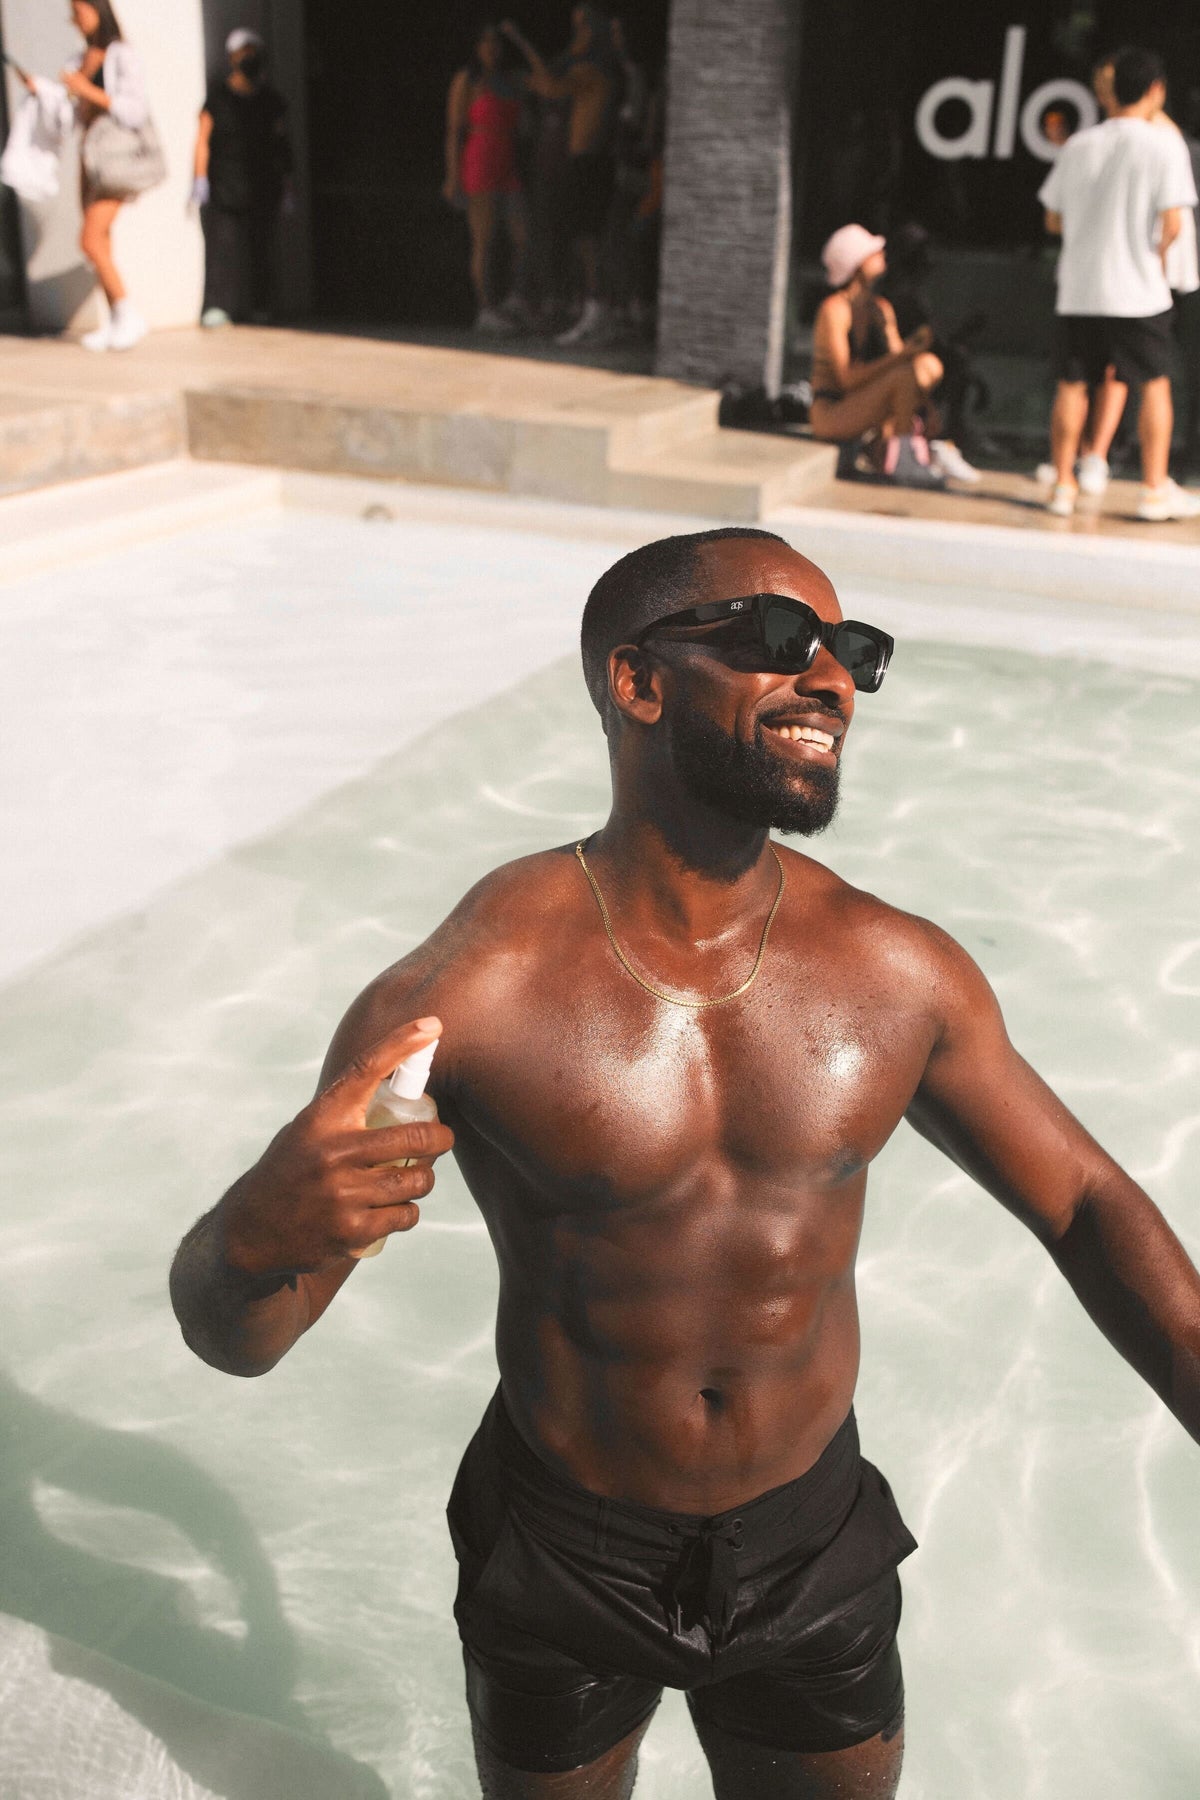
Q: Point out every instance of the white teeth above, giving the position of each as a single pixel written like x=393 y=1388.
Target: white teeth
x=807 y=734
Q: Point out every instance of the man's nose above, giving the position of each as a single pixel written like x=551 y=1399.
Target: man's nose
x=830 y=678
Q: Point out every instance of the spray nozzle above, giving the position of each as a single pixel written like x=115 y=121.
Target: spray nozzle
x=408 y=1078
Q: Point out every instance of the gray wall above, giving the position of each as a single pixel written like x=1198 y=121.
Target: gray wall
x=727 y=205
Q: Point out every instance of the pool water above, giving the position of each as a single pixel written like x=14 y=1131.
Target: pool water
x=189 y=1545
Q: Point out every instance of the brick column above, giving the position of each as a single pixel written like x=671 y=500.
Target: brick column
x=727 y=198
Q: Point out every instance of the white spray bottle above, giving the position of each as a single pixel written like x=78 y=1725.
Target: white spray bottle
x=401 y=1100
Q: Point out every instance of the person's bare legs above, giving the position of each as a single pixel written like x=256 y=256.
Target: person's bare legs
x=889 y=402
x=1106 y=410
x=481 y=223
x=746 y=1771
x=1156 y=421
x=95 y=240
x=610 y=1777
x=1067 y=421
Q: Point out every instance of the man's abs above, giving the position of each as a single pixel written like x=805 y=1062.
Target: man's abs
x=690 y=1365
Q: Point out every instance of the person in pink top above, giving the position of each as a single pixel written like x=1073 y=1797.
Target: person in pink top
x=483 y=110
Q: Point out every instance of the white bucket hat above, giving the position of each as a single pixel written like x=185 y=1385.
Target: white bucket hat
x=239 y=39
x=846 y=252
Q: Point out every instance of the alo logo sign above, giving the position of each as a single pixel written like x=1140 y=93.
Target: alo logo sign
x=978 y=140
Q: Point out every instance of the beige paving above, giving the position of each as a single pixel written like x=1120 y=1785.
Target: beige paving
x=352 y=405
x=1009 y=499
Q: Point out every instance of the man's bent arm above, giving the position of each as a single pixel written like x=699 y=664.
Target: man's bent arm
x=253 y=1274
x=982 y=1104
x=237 y=1322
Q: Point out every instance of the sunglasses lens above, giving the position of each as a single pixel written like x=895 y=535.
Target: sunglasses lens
x=863 y=654
x=790 y=637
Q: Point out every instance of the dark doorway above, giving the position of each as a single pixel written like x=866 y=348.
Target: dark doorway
x=387 y=249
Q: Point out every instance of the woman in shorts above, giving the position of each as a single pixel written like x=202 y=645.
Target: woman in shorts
x=106 y=79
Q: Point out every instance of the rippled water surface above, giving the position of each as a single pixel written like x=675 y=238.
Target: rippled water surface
x=278 y=1547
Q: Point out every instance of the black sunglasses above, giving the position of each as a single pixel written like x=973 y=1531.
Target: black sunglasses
x=784 y=636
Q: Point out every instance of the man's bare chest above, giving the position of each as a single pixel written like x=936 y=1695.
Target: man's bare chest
x=603 y=1090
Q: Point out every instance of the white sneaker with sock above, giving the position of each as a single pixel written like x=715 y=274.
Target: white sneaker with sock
x=1168 y=501
x=1062 y=501
x=100 y=339
x=585 y=326
x=128 y=326
x=950 y=460
x=1092 y=474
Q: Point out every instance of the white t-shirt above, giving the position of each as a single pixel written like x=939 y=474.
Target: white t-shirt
x=1109 y=185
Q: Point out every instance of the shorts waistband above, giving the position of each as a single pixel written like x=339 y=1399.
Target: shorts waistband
x=803 y=1514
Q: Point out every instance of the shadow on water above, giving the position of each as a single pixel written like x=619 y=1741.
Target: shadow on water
x=142 y=1622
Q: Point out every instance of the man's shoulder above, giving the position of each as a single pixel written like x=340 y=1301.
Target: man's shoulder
x=1085 y=146
x=499 y=924
x=885 y=938
x=479 y=960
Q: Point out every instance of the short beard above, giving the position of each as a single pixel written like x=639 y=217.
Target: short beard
x=746 y=782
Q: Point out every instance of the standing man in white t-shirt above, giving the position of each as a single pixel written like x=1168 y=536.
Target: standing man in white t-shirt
x=1116 y=194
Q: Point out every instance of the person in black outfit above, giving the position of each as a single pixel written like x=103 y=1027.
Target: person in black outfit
x=242 y=164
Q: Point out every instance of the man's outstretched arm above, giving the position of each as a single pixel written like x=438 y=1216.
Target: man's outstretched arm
x=253 y=1274
x=982 y=1104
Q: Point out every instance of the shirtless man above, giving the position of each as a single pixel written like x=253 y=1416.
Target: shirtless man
x=589 y=82
x=665 y=1108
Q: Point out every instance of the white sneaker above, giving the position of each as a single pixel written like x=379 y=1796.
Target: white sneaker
x=1045 y=474
x=128 y=327
x=214 y=317
x=1168 y=501
x=100 y=339
x=950 y=460
x=1093 y=474
x=1062 y=501
x=586 y=326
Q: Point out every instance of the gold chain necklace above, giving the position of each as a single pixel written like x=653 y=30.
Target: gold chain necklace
x=673 y=999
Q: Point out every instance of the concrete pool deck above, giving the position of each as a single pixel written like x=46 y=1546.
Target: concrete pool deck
x=506 y=424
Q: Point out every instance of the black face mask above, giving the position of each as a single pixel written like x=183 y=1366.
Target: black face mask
x=251 y=64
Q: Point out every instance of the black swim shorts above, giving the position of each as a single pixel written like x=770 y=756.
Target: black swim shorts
x=1090 y=343
x=777 y=1619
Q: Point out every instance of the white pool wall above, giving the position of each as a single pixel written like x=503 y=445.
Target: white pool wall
x=155 y=726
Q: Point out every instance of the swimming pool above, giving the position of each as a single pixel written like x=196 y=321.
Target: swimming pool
x=300 y=797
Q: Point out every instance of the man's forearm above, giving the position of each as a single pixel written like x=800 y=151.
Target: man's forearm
x=241 y=1324
x=1137 y=1282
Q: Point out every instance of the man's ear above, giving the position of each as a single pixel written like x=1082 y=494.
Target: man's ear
x=635 y=684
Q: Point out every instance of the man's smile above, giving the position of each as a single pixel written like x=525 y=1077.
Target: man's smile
x=806 y=734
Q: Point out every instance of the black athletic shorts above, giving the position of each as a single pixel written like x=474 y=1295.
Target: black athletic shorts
x=778 y=1619
x=1136 y=349
x=591 y=178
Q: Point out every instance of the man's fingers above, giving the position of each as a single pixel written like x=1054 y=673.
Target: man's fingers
x=382 y=1221
x=396 y=1143
x=351 y=1092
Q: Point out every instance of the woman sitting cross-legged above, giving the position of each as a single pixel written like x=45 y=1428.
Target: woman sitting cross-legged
x=869 y=382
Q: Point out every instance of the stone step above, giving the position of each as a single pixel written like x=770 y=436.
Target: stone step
x=644 y=444
x=47 y=438
x=739 y=475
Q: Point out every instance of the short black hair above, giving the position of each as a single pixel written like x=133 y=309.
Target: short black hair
x=1135 y=72
x=646 y=585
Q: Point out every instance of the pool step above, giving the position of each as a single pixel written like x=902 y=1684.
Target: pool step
x=642 y=443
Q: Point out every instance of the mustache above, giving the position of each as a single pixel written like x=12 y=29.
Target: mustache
x=817 y=708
